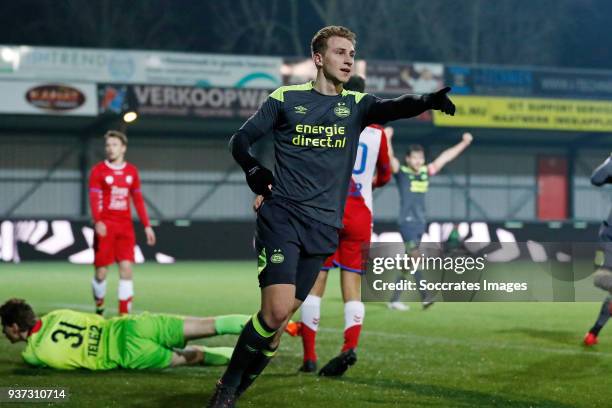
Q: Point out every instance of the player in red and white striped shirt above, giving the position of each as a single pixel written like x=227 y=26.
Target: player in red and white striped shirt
x=111 y=185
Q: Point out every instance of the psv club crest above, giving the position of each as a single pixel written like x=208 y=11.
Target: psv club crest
x=341 y=110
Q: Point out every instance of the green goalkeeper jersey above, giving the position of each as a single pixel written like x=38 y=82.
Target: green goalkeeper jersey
x=68 y=340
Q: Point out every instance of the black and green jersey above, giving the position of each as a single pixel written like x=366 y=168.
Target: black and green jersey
x=315 y=139
x=412 y=186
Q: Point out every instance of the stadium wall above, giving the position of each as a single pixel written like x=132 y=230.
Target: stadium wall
x=196 y=179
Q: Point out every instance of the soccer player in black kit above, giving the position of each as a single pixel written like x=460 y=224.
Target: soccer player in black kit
x=603 y=275
x=316 y=129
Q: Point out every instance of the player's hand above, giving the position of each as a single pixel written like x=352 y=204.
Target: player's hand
x=389 y=132
x=260 y=180
x=258 y=202
x=151 y=239
x=440 y=101
x=467 y=138
x=100 y=228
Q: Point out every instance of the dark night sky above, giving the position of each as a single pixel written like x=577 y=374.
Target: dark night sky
x=580 y=38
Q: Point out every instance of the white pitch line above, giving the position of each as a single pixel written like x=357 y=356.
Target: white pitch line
x=474 y=344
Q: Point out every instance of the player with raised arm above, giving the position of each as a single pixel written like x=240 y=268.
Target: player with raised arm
x=371 y=170
x=603 y=275
x=112 y=183
x=316 y=129
x=412 y=180
x=66 y=339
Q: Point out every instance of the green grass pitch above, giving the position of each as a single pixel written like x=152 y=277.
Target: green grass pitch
x=453 y=355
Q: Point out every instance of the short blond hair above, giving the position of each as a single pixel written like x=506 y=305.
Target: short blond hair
x=319 y=41
x=116 y=134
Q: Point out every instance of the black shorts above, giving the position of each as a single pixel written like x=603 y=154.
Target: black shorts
x=291 y=247
x=605 y=240
x=411 y=234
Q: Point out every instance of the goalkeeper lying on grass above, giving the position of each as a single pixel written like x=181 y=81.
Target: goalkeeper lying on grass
x=66 y=339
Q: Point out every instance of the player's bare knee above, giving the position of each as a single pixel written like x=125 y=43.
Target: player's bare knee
x=350 y=296
x=277 y=316
x=277 y=309
x=125 y=270
x=100 y=274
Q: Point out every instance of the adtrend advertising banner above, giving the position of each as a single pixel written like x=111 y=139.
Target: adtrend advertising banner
x=148 y=67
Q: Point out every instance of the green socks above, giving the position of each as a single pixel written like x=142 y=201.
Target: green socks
x=230 y=324
x=217 y=356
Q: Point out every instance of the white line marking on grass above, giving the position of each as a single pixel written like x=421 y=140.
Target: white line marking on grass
x=479 y=345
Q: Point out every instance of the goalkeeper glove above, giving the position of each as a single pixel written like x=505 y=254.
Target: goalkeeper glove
x=439 y=101
x=259 y=178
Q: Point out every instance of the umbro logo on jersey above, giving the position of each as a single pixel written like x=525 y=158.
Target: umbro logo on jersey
x=300 y=109
x=341 y=110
